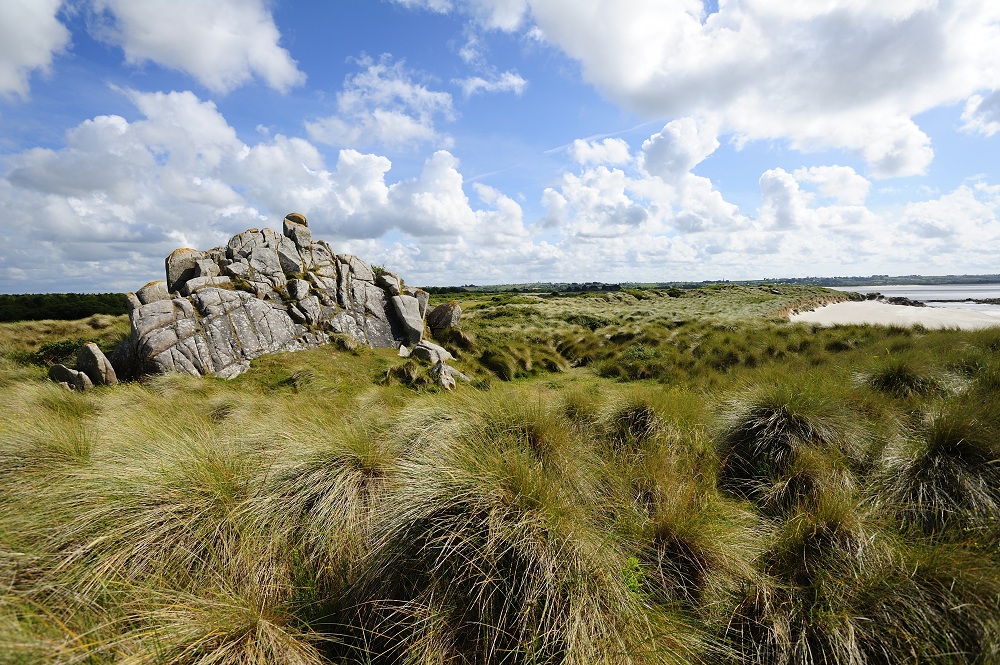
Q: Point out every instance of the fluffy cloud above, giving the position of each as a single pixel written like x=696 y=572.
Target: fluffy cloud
x=959 y=219
x=837 y=182
x=843 y=74
x=30 y=34
x=653 y=198
x=223 y=43
x=982 y=114
x=120 y=195
x=509 y=81
x=608 y=151
x=679 y=147
x=652 y=219
x=383 y=106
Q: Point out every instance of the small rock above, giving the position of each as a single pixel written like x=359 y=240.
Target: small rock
x=76 y=380
x=83 y=382
x=181 y=265
x=206 y=268
x=296 y=229
x=62 y=374
x=408 y=309
x=446 y=375
x=403 y=351
x=389 y=281
x=358 y=267
x=431 y=352
x=196 y=283
x=298 y=289
x=422 y=297
x=288 y=257
x=311 y=308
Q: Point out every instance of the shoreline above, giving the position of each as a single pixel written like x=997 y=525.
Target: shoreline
x=877 y=313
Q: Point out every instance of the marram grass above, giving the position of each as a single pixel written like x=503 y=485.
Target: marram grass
x=769 y=429
x=728 y=493
x=946 y=472
x=494 y=550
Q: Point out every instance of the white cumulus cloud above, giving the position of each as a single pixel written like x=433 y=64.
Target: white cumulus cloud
x=30 y=35
x=982 y=114
x=680 y=146
x=383 y=106
x=842 y=74
x=119 y=196
x=837 y=182
x=223 y=43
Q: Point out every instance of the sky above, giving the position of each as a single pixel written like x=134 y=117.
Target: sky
x=502 y=141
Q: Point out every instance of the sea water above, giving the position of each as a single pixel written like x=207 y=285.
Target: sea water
x=939 y=295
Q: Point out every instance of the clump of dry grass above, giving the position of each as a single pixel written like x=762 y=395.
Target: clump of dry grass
x=946 y=472
x=768 y=431
x=495 y=550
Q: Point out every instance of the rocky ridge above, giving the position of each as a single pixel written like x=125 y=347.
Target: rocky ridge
x=261 y=293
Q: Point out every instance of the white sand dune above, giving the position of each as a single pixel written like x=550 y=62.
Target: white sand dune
x=869 y=311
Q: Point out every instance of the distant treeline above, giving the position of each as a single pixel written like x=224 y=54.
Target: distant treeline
x=61 y=306
x=445 y=289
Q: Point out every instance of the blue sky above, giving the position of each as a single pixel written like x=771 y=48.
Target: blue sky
x=497 y=141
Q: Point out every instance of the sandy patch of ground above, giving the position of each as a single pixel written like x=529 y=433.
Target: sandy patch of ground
x=869 y=311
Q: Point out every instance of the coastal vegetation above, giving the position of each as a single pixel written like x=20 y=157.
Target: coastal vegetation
x=631 y=476
x=60 y=306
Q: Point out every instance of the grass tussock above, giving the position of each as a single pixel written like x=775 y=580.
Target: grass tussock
x=494 y=551
x=900 y=377
x=777 y=439
x=946 y=472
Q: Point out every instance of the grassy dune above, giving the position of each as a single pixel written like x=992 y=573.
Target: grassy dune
x=629 y=478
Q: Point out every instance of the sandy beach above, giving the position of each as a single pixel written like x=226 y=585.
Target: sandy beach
x=869 y=311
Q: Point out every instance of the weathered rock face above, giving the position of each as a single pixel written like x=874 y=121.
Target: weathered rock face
x=91 y=361
x=444 y=316
x=262 y=293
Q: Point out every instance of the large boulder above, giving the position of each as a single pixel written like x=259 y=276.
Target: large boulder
x=444 y=316
x=152 y=292
x=91 y=361
x=262 y=292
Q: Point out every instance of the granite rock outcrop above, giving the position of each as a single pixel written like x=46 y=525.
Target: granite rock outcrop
x=263 y=292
